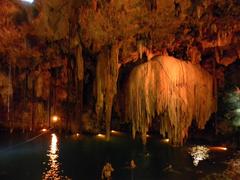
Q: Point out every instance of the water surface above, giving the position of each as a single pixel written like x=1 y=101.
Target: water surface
x=54 y=156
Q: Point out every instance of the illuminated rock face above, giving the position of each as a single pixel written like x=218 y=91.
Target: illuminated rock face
x=176 y=91
x=54 y=46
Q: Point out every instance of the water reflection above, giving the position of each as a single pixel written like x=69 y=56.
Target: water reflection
x=199 y=153
x=53 y=163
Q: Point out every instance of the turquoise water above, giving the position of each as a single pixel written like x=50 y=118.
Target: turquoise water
x=52 y=156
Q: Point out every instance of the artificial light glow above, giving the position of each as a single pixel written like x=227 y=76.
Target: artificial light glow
x=199 y=153
x=101 y=135
x=77 y=136
x=165 y=140
x=44 y=130
x=148 y=136
x=55 y=118
x=29 y=1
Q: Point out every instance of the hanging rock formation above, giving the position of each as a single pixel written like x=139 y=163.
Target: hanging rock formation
x=106 y=84
x=177 y=91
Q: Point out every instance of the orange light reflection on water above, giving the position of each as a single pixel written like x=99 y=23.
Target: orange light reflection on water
x=218 y=148
x=101 y=135
x=165 y=140
x=114 y=132
x=53 y=172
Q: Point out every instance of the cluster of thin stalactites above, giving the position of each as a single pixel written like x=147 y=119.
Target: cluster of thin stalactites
x=178 y=91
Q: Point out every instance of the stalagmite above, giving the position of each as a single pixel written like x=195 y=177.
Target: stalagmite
x=175 y=90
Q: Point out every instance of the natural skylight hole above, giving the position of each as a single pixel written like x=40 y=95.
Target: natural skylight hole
x=29 y=1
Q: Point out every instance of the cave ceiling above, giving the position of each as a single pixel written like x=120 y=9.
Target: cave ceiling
x=188 y=30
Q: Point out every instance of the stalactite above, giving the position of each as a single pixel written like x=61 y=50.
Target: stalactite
x=79 y=81
x=176 y=90
x=6 y=93
x=80 y=61
x=25 y=100
x=94 y=5
x=6 y=88
x=68 y=119
x=13 y=79
x=140 y=48
x=49 y=107
x=217 y=55
x=9 y=98
x=33 y=106
x=215 y=89
x=106 y=84
x=194 y=55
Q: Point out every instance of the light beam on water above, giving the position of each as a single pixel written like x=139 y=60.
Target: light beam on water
x=54 y=166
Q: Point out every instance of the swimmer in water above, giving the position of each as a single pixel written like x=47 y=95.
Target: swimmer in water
x=132 y=164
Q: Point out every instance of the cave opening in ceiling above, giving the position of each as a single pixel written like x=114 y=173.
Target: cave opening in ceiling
x=28 y=1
